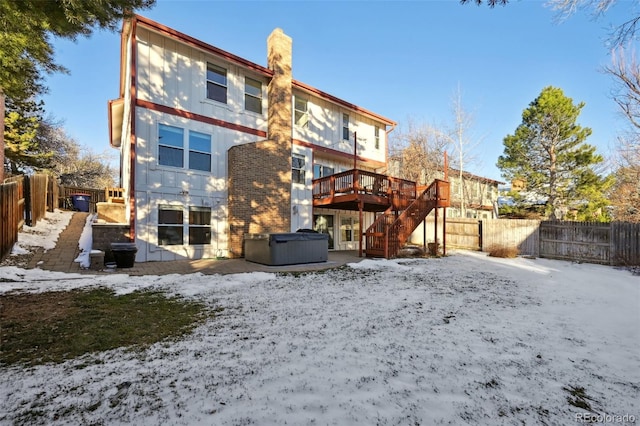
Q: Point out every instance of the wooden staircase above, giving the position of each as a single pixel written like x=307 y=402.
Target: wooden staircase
x=391 y=230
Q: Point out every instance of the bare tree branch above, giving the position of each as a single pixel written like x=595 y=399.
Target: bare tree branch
x=490 y=3
x=626 y=72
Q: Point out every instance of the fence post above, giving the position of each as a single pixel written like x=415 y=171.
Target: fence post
x=26 y=188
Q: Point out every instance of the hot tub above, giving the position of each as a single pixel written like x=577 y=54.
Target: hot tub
x=286 y=248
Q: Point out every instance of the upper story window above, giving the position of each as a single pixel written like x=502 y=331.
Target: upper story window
x=376 y=136
x=321 y=171
x=297 y=168
x=252 y=95
x=170 y=146
x=301 y=112
x=345 y=127
x=216 y=83
x=199 y=151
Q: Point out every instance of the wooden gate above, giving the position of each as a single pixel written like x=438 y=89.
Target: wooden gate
x=464 y=233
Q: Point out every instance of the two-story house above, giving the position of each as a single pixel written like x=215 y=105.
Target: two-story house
x=214 y=147
x=473 y=196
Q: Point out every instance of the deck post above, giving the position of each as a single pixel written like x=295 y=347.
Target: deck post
x=444 y=231
x=360 y=207
x=435 y=230
x=424 y=234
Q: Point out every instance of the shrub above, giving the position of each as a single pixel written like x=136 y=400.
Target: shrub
x=503 y=251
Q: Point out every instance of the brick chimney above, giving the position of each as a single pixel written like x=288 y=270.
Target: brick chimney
x=260 y=172
x=279 y=90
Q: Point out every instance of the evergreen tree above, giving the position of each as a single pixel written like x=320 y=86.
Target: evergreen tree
x=26 y=52
x=548 y=152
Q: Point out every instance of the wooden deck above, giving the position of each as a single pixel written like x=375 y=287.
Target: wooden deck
x=377 y=192
x=399 y=201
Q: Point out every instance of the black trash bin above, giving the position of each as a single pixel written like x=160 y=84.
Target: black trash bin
x=124 y=254
x=80 y=202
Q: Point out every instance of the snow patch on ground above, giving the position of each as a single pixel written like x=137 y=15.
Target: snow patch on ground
x=461 y=339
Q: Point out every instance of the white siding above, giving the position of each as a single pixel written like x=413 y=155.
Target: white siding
x=174 y=74
x=301 y=195
x=157 y=184
x=325 y=129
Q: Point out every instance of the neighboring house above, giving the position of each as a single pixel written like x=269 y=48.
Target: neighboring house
x=480 y=196
x=480 y=193
x=531 y=204
x=214 y=146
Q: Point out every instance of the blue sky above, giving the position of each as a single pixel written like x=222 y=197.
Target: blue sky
x=403 y=60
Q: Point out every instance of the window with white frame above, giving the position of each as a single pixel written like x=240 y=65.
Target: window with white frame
x=199 y=225
x=301 y=112
x=252 y=95
x=297 y=168
x=171 y=226
x=321 y=171
x=349 y=229
x=170 y=222
x=170 y=146
x=376 y=137
x=345 y=127
x=199 y=151
x=216 y=83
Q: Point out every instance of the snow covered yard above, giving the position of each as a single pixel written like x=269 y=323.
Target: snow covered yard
x=465 y=339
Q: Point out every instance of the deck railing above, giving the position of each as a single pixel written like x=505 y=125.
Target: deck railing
x=357 y=181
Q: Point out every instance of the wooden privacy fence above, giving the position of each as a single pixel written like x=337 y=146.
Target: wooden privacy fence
x=24 y=200
x=463 y=233
x=583 y=241
x=616 y=243
x=520 y=233
x=11 y=217
x=625 y=242
x=53 y=194
x=32 y=196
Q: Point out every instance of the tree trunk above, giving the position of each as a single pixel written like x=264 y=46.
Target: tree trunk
x=553 y=196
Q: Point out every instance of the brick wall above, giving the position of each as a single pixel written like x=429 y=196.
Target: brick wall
x=104 y=234
x=259 y=192
x=260 y=172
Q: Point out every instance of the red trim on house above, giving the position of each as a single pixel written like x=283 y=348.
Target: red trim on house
x=132 y=112
x=197 y=117
x=305 y=87
x=170 y=32
x=345 y=155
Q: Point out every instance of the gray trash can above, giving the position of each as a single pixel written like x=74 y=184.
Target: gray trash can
x=124 y=254
x=288 y=248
